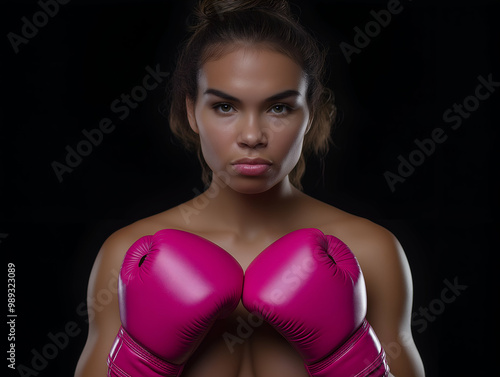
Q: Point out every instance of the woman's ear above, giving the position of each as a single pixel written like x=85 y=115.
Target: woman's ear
x=190 y=115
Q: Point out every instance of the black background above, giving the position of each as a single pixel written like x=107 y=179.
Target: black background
x=395 y=90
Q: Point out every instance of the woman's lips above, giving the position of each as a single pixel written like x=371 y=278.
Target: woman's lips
x=251 y=166
x=249 y=169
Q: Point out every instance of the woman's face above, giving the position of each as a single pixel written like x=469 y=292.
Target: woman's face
x=251 y=115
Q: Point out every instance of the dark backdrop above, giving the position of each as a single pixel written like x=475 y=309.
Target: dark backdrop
x=393 y=89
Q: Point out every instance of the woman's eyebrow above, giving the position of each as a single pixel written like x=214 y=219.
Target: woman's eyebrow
x=274 y=97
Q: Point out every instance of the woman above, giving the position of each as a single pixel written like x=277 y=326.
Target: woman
x=247 y=96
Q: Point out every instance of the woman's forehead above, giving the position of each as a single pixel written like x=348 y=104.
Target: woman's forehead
x=252 y=69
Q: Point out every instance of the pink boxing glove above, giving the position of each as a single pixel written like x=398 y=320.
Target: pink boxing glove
x=172 y=287
x=310 y=288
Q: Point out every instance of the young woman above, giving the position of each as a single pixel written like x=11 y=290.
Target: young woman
x=247 y=96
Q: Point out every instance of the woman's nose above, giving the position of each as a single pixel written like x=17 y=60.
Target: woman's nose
x=252 y=132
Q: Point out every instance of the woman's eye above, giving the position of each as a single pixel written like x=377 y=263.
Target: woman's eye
x=223 y=107
x=226 y=108
x=280 y=109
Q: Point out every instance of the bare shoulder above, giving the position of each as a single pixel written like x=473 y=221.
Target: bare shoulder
x=388 y=283
x=112 y=252
x=381 y=257
x=371 y=243
x=102 y=299
x=120 y=241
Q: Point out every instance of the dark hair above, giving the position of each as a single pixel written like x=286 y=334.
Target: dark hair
x=221 y=24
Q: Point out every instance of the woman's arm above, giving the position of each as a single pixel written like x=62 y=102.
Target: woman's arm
x=102 y=304
x=390 y=293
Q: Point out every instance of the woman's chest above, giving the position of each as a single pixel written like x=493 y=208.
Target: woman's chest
x=243 y=345
x=243 y=249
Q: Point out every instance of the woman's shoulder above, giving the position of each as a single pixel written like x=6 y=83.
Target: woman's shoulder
x=363 y=236
x=118 y=242
x=378 y=251
x=334 y=220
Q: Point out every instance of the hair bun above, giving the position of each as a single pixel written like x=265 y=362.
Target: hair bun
x=209 y=10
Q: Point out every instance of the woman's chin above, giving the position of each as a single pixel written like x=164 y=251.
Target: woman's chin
x=254 y=186
x=250 y=185
x=251 y=188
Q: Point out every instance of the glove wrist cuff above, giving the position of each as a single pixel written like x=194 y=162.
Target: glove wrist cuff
x=128 y=358
x=361 y=355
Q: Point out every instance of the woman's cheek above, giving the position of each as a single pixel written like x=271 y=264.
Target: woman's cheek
x=214 y=146
x=289 y=130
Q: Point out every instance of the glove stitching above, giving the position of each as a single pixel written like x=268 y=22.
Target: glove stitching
x=329 y=360
x=152 y=359
x=374 y=366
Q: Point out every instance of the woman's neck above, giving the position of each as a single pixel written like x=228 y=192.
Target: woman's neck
x=250 y=214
